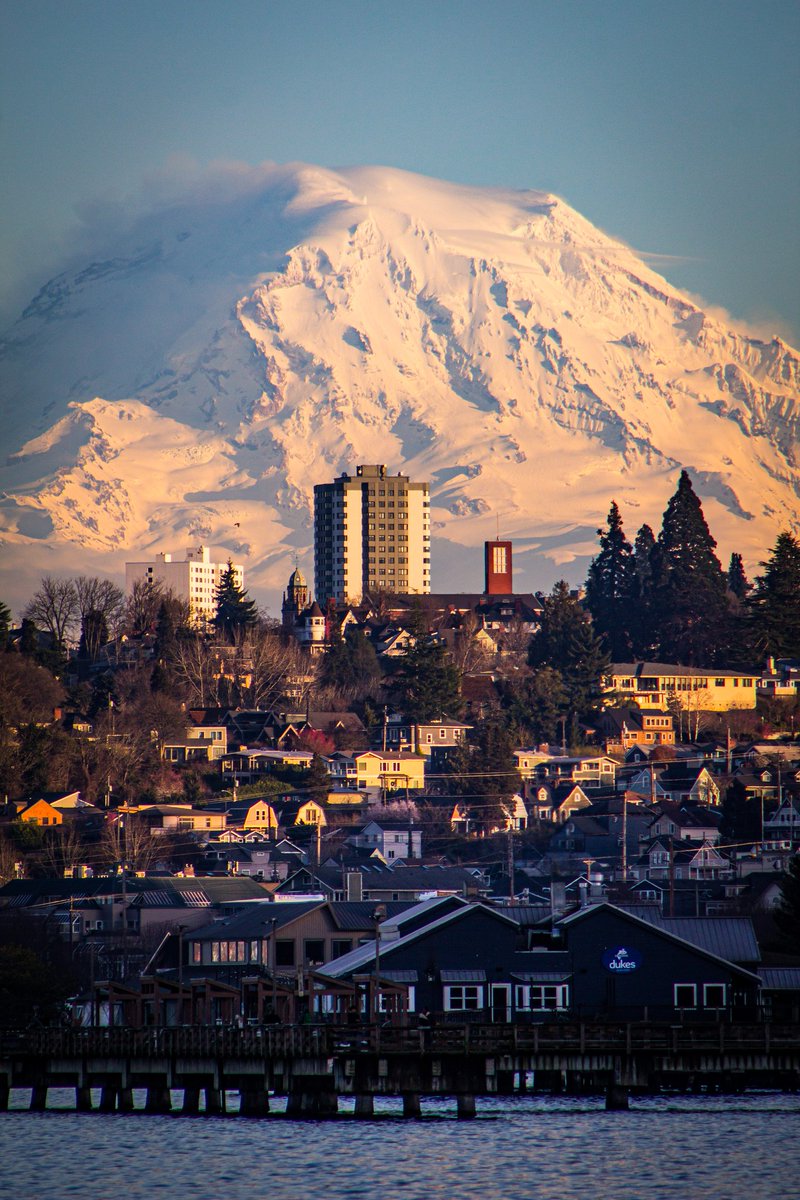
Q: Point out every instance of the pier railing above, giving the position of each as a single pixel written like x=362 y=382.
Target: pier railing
x=293 y=1041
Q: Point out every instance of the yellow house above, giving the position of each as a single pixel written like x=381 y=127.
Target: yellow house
x=43 y=814
x=392 y=771
x=310 y=813
x=260 y=815
x=695 y=689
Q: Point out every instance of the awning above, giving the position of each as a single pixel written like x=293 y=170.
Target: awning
x=476 y=975
x=541 y=976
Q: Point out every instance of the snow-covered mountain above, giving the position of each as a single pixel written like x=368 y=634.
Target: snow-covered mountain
x=192 y=379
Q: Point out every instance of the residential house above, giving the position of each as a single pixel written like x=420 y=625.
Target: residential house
x=689 y=822
x=427 y=738
x=250 y=766
x=590 y=771
x=656 y=686
x=175 y=818
x=623 y=728
x=394 y=840
x=376 y=771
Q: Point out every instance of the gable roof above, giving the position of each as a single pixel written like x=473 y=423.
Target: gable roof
x=642 y=923
x=364 y=955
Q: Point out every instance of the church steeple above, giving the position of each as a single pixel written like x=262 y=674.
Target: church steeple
x=295 y=599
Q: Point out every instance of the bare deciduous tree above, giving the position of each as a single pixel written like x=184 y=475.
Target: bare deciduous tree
x=142 y=607
x=127 y=839
x=54 y=607
x=63 y=849
x=264 y=668
x=100 y=603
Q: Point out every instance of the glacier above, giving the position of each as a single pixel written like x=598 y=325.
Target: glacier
x=213 y=358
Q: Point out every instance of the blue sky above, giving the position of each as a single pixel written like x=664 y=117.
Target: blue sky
x=673 y=125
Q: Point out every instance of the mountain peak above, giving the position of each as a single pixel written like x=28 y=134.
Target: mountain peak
x=211 y=359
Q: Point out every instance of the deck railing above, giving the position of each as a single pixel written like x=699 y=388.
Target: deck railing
x=290 y=1041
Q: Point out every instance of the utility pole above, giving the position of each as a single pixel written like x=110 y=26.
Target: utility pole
x=624 y=836
x=511 y=866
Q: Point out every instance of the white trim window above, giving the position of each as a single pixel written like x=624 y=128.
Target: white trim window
x=463 y=997
x=714 y=995
x=685 y=995
x=542 y=997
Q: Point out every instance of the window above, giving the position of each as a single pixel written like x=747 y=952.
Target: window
x=463 y=997
x=341 y=946
x=197 y=952
x=284 y=953
x=713 y=995
x=314 y=950
x=540 y=997
x=686 y=995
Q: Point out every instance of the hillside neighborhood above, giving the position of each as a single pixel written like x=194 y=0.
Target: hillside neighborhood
x=408 y=802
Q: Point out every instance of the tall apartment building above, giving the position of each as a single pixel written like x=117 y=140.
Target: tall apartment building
x=193 y=579
x=371 y=531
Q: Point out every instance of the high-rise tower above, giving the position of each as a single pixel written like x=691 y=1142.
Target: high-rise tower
x=371 y=531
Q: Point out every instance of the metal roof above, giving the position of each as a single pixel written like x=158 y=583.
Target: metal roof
x=471 y=975
x=780 y=979
x=732 y=938
x=541 y=976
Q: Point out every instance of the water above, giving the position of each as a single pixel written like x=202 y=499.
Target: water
x=528 y=1148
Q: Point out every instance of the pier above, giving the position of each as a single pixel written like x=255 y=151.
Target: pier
x=313 y=1066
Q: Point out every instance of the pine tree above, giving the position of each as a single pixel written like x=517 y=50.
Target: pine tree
x=318 y=783
x=427 y=685
x=567 y=642
x=738 y=583
x=642 y=634
x=235 y=613
x=610 y=587
x=774 y=604
x=5 y=624
x=692 y=610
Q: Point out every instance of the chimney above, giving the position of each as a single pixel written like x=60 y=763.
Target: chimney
x=558 y=898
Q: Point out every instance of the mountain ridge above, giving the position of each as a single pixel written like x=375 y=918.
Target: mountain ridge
x=228 y=350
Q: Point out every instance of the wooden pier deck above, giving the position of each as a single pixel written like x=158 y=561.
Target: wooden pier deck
x=313 y=1065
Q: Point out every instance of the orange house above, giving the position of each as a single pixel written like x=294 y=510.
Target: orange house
x=43 y=814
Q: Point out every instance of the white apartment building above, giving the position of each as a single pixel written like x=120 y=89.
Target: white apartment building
x=371 y=531
x=193 y=579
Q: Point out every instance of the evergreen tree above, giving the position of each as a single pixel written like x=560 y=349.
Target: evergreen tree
x=350 y=663
x=642 y=634
x=744 y=650
x=5 y=624
x=94 y=634
x=774 y=605
x=318 y=783
x=535 y=703
x=738 y=583
x=567 y=643
x=235 y=613
x=610 y=587
x=692 y=608
x=483 y=772
x=427 y=685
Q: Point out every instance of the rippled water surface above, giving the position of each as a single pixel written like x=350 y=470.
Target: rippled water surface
x=533 y=1148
